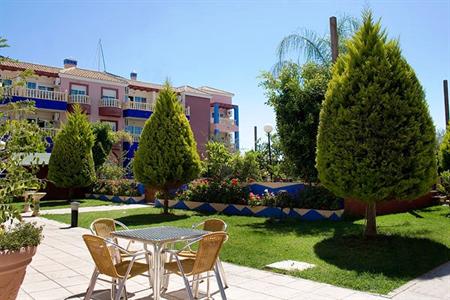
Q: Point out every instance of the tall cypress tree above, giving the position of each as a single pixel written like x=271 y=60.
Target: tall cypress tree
x=376 y=139
x=71 y=163
x=167 y=154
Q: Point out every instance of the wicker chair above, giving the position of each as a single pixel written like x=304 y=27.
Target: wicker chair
x=204 y=261
x=100 y=250
x=212 y=225
x=103 y=227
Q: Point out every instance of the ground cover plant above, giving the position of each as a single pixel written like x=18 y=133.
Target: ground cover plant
x=408 y=244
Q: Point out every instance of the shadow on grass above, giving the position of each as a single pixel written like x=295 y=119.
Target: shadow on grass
x=150 y=219
x=393 y=256
x=306 y=227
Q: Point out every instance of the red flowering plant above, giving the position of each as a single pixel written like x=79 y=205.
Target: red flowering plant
x=229 y=191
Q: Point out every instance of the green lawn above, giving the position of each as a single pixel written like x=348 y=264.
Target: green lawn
x=55 y=204
x=409 y=244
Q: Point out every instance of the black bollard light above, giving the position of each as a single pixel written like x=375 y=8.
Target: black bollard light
x=74 y=213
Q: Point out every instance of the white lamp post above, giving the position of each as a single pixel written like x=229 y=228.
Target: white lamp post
x=268 y=129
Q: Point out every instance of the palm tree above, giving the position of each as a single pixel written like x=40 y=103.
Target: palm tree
x=313 y=46
x=3 y=43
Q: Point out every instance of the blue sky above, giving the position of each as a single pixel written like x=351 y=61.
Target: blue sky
x=224 y=44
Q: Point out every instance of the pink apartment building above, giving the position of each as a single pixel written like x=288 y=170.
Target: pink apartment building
x=125 y=104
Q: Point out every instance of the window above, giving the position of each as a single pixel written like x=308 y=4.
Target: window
x=112 y=124
x=31 y=85
x=109 y=93
x=6 y=82
x=76 y=89
x=140 y=99
x=45 y=88
x=134 y=130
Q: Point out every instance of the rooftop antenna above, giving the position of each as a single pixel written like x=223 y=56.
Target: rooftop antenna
x=100 y=55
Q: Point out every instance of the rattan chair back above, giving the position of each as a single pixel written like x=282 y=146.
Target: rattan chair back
x=214 y=225
x=208 y=252
x=101 y=255
x=103 y=227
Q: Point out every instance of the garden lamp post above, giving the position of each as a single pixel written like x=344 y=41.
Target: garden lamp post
x=268 y=129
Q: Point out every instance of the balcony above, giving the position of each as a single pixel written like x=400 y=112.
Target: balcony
x=82 y=100
x=226 y=125
x=43 y=99
x=132 y=109
x=110 y=107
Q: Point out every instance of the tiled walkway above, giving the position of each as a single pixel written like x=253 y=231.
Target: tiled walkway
x=62 y=267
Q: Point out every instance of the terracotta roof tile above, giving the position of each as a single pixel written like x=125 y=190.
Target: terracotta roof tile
x=212 y=90
x=145 y=84
x=191 y=90
x=92 y=75
x=9 y=63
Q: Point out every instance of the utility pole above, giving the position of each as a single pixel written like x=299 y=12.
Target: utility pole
x=446 y=102
x=334 y=39
x=256 y=138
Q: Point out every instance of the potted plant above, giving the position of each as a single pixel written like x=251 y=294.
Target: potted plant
x=19 y=141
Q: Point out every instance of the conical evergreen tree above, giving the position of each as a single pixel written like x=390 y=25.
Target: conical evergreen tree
x=167 y=154
x=376 y=139
x=71 y=163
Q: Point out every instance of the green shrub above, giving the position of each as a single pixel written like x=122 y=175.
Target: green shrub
x=71 y=164
x=246 y=167
x=22 y=235
x=444 y=185
x=110 y=171
x=119 y=187
x=229 y=191
x=218 y=162
x=444 y=152
x=318 y=197
x=376 y=138
x=167 y=154
x=104 y=140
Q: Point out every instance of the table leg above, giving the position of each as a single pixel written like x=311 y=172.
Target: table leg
x=156 y=271
x=147 y=259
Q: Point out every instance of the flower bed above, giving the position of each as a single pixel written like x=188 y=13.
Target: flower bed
x=235 y=198
x=257 y=211
x=118 y=191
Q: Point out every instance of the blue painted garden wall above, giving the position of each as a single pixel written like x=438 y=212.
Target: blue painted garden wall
x=293 y=189
x=256 y=211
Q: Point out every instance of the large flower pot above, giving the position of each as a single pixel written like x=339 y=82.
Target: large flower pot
x=13 y=266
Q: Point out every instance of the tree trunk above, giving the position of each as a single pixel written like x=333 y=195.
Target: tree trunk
x=371 y=220
x=166 y=206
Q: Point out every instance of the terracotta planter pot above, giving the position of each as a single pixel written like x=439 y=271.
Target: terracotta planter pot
x=13 y=266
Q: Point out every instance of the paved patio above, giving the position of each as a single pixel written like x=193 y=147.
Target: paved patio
x=62 y=267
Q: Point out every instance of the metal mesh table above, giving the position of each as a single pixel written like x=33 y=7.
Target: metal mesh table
x=158 y=237
x=163 y=234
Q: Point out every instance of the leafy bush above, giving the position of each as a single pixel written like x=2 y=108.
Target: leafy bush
x=111 y=171
x=246 y=167
x=234 y=192
x=318 y=197
x=444 y=186
x=120 y=187
x=217 y=164
x=22 y=235
x=444 y=152
x=227 y=191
